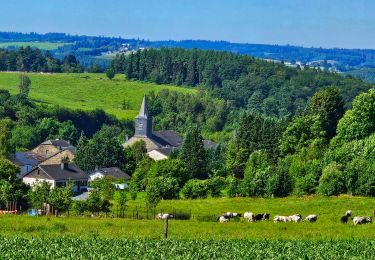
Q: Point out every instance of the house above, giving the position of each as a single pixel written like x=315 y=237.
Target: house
x=113 y=172
x=48 y=152
x=58 y=175
x=159 y=144
x=52 y=147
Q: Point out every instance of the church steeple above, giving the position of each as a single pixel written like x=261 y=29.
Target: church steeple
x=143 y=111
x=143 y=122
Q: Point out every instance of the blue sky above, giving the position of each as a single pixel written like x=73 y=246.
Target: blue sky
x=326 y=23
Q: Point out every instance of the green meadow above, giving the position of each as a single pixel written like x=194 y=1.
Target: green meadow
x=119 y=97
x=39 y=45
x=328 y=226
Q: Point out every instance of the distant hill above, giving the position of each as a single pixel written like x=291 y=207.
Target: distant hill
x=100 y=50
x=366 y=74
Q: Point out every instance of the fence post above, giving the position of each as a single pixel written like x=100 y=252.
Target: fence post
x=166 y=229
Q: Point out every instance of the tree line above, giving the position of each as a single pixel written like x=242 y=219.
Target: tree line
x=269 y=88
x=34 y=60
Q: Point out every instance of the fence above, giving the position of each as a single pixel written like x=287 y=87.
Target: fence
x=144 y=213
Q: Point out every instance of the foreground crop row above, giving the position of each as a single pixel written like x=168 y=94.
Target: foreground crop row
x=38 y=248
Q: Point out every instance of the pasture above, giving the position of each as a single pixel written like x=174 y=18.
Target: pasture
x=328 y=226
x=119 y=97
x=40 y=45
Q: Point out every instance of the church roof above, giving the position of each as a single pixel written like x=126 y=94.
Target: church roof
x=143 y=112
x=170 y=138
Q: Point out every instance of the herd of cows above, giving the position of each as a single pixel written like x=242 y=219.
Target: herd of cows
x=251 y=217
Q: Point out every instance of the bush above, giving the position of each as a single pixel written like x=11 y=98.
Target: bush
x=215 y=186
x=195 y=189
x=332 y=181
x=233 y=185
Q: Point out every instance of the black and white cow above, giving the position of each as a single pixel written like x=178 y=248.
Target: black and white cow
x=281 y=219
x=344 y=219
x=164 y=216
x=311 y=218
x=263 y=216
x=249 y=216
x=362 y=220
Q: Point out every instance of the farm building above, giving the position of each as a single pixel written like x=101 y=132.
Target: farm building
x=58 y=175
x=159 y=144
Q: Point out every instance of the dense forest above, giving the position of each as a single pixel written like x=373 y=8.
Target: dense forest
x=34 y=60
x=269 y=88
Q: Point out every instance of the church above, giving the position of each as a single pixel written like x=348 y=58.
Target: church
x=159 y=144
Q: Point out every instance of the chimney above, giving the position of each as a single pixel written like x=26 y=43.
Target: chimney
x=64 y=165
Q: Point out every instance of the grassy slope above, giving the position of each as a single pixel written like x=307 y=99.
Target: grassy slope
x=40 y=45
x=87 y=91
x=329 y=211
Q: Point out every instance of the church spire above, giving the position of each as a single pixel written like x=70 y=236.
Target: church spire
x=143 y=121
x=143 y=111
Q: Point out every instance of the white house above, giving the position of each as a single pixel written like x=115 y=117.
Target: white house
x=58 y=175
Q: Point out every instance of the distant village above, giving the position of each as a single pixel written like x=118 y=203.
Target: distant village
x=53 y=160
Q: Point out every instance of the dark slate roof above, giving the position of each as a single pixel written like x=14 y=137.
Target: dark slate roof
x=209 y=144
x=168 y=138
x=114 y=172
x=165 y=150
x=56 y=172
x=27 y=158
x=58 y=143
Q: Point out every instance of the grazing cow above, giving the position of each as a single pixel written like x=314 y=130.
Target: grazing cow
x=311 y=218
x=345 y=218
x=223 y=219
x=229 y=215
x=295 y=218
x=362 y=220
x=249 y=216
x=265 y=216
x=164 y=216
x=281 y=219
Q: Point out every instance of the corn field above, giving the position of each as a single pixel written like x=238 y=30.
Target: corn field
x=68 y=248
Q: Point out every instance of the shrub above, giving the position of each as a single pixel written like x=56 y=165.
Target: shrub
x=332 y=181
x=195 y=189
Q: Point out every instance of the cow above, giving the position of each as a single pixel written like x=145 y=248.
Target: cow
x=264 y=216
x=223 y=219
x=345 y=218
x=311 y=218
x=229 y=215
x=281 y=219
x=295 y=218
x=164 y=216
x=249 y=216
x=362 y=220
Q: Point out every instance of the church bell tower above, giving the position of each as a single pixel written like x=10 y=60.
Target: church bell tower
x=143 y=122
